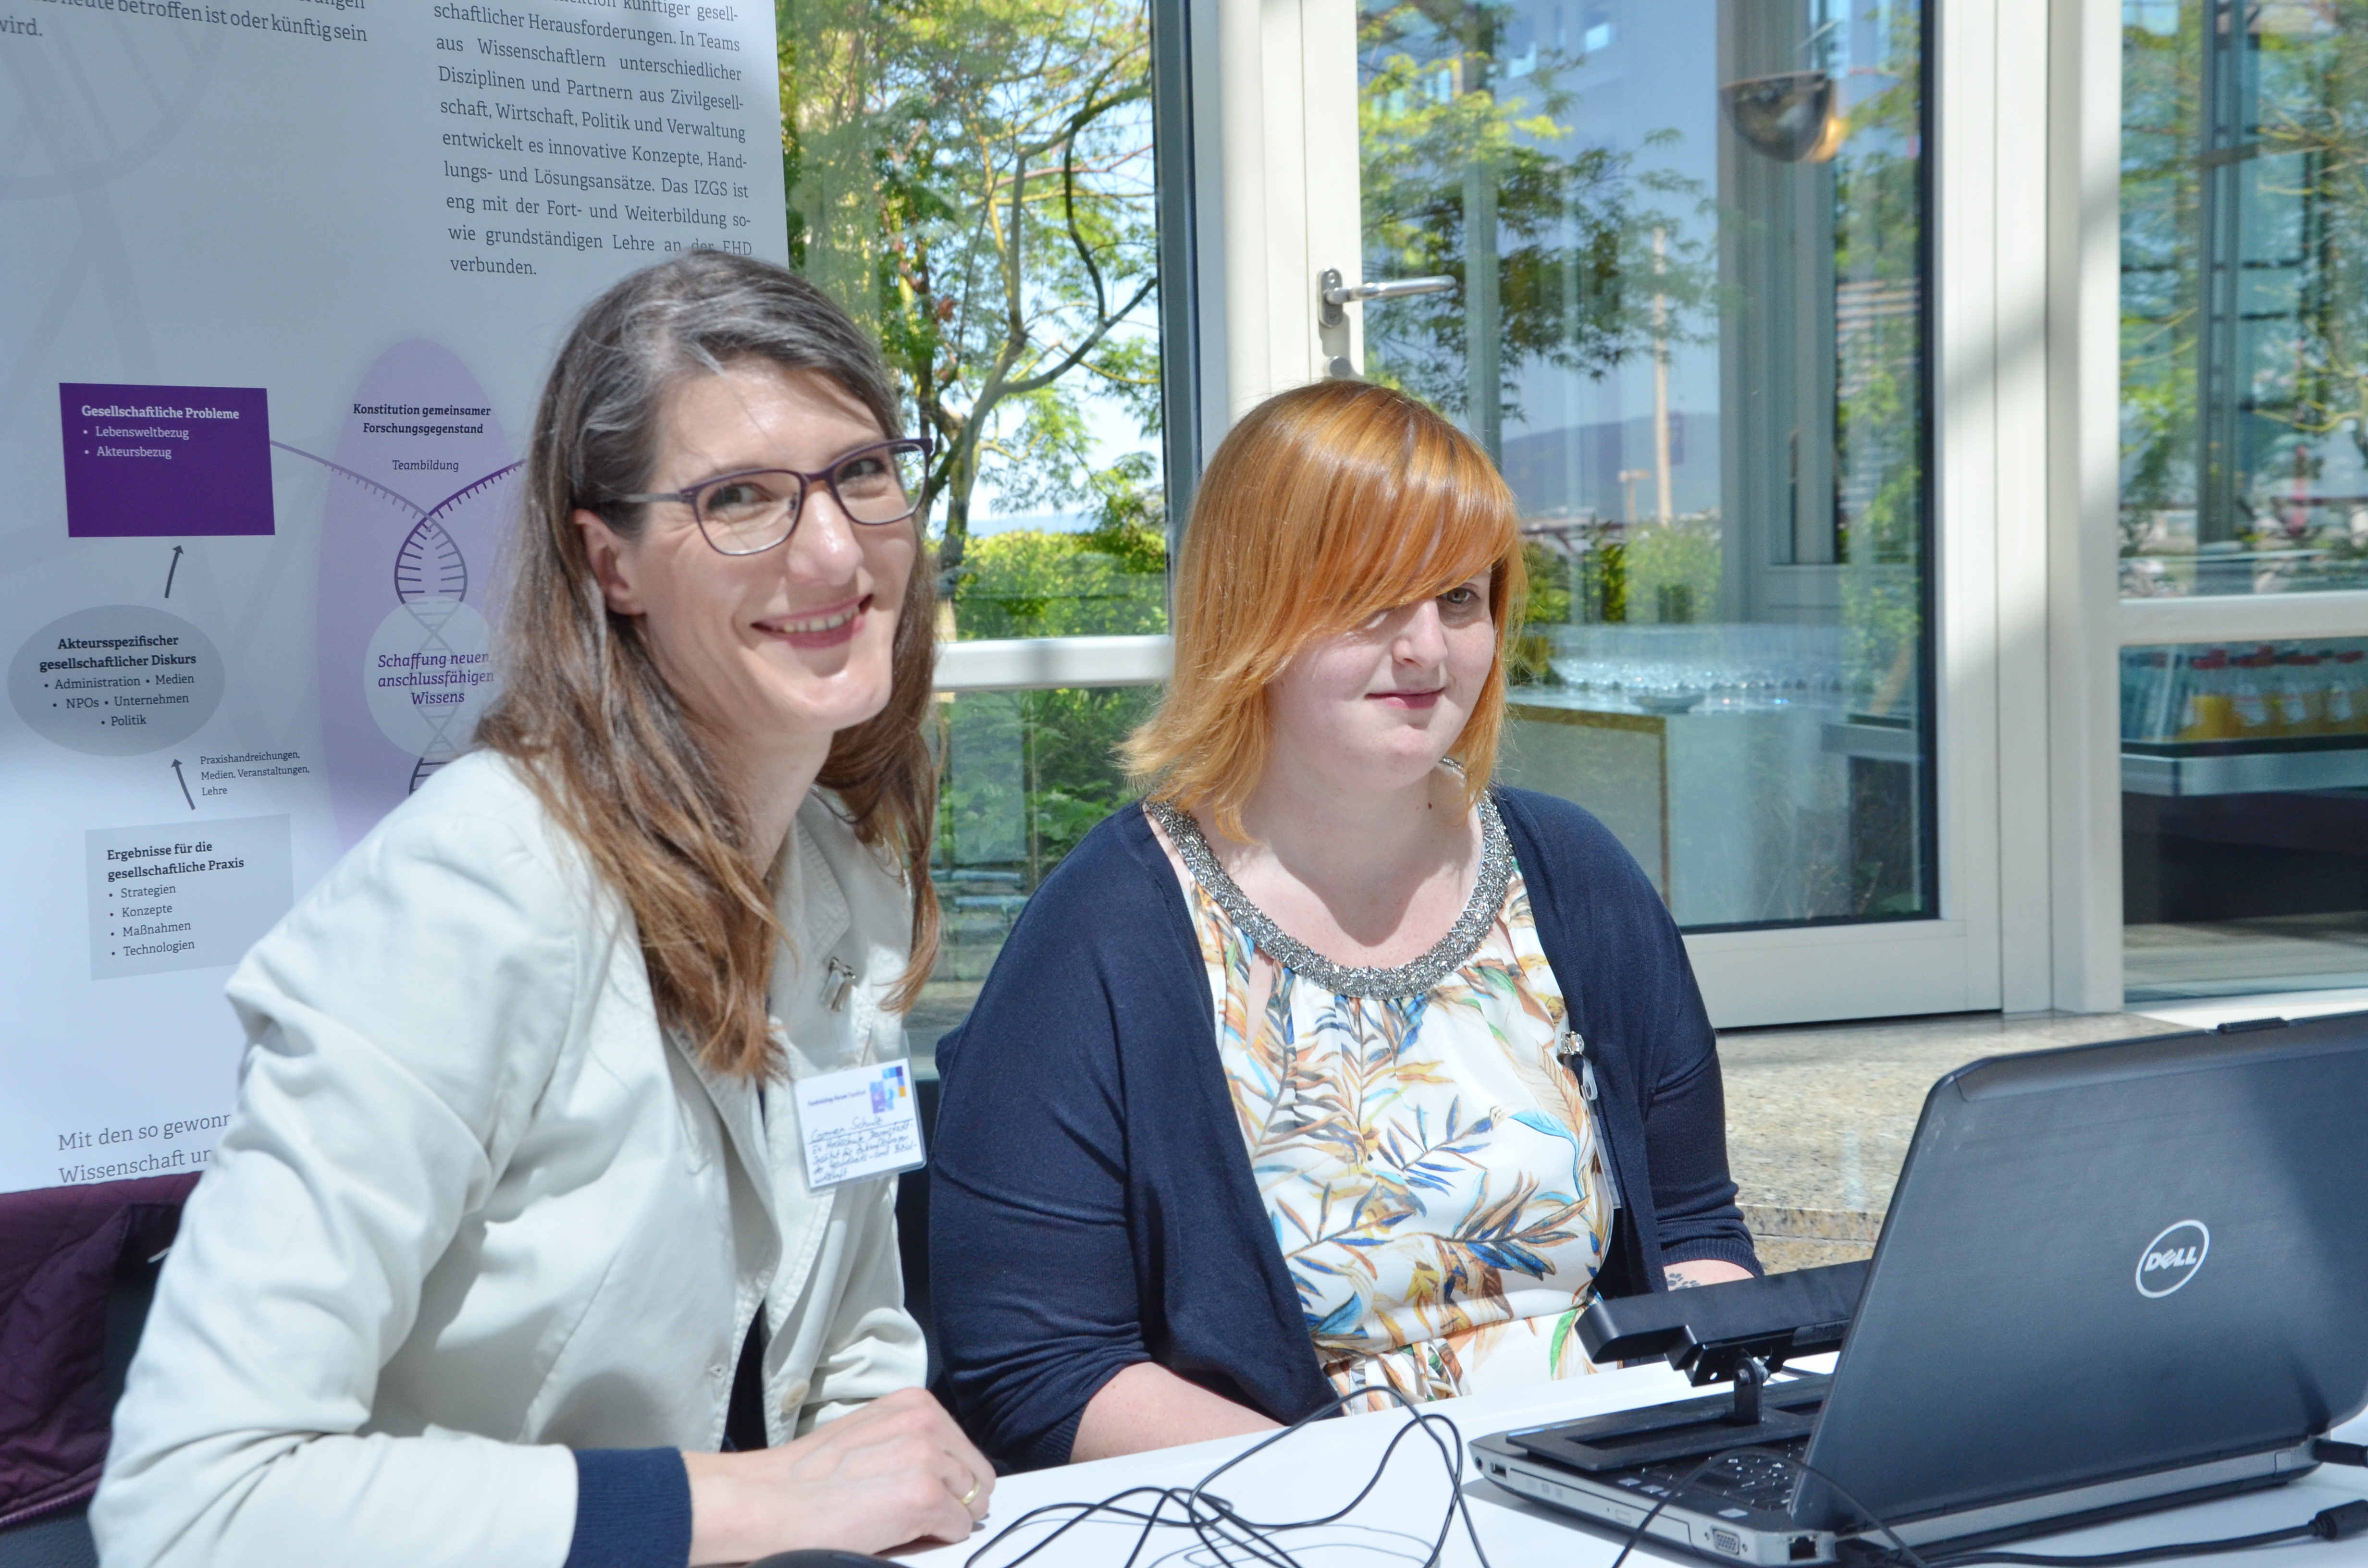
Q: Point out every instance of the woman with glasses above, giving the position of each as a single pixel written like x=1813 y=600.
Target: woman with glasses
x=510 y=1253
x=1330 y=1067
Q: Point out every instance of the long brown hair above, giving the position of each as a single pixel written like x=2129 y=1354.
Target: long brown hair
x=591 y=723
x=1326 y=505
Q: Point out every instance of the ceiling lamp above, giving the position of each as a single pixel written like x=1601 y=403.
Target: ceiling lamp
x=1793 y=117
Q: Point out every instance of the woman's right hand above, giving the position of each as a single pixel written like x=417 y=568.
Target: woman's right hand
x=896 y=1470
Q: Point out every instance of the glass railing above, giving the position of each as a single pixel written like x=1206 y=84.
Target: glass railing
x=1024 y=774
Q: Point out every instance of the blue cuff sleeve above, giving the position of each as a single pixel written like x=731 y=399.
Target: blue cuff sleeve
x=633 y=1509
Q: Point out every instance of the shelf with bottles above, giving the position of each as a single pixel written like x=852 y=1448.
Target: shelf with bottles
x=2203 y=698
x=2202 y=719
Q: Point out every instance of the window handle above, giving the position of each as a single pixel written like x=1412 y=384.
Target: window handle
x=1337 y=293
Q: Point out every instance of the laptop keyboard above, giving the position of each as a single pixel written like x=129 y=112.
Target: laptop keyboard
x=1748 y=1480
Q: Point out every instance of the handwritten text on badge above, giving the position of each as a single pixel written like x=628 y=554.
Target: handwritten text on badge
x=859 y=1122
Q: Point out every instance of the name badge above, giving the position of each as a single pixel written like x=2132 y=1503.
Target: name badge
x=858 y=1122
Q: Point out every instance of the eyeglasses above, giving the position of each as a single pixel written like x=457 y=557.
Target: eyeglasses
x=747 y=514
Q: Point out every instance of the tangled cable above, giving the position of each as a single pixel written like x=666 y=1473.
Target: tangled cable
x=1234 y=1538
x=1231 y=1537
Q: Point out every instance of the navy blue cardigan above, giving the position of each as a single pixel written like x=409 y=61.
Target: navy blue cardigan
x=1091 y=1202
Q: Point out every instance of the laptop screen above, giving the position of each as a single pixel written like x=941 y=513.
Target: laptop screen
x=2110 y=1260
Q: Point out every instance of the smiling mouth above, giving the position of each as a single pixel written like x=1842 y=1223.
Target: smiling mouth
x=821 y=627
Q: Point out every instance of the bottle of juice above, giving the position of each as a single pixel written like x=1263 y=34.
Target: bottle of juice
x=2301 y=694
x=2347 y=693
x=2251 y=686
x=2205 y=713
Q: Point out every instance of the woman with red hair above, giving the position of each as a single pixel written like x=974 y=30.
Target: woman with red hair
x=1330 y=1066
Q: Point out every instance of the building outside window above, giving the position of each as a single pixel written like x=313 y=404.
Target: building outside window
x=2244 y=471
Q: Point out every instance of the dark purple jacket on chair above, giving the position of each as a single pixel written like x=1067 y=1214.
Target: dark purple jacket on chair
x=61 y=1249
x=1091 y=1203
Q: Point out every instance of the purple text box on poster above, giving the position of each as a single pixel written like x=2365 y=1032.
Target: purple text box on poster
x=164 y=462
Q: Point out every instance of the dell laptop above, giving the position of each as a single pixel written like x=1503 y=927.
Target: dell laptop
x=2113 y=1277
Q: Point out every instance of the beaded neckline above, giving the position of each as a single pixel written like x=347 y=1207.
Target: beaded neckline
x=1409 y=979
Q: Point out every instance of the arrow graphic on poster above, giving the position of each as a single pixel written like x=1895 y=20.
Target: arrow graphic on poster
x=183 y=782
x=405 y=501
x=171 y=570
x=424 y=514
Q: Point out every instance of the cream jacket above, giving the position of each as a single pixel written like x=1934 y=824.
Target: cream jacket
x=474 y=1210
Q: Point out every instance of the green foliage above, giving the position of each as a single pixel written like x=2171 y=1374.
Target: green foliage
x=2300 y=371
x=972 y=180
x=1602 y=573
x=1130 y=517
x=1028 y=773
x=1671 y=564
x=2160 y=210
x=1549 y=574
x=2312 y=130
x=1025 y=583
x=1548 y=604
x=1031 y=772
x=1635 y=572
x=1879 y=394
x=1110 y=580
x=1574 y=232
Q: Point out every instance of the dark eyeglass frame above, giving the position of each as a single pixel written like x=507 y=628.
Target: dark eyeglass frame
x=920 y=445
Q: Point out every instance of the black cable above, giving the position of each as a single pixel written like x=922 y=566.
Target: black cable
x=1109 y=1505
x=1233 y=1538
x=1452 y=1458
x=2142 y=1554
x=2337 y=1523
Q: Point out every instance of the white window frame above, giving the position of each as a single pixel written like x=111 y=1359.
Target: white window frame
x=1041 y=664
x=2089 y=623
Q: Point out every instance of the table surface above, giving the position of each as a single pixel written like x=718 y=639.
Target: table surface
x=1319 y=1468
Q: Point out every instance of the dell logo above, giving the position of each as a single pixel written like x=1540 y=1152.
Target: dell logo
x=2171 y=1259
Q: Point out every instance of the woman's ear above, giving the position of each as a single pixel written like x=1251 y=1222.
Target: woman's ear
x=611 y=562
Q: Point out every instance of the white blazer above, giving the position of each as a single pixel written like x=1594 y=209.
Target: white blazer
x=474 y=1210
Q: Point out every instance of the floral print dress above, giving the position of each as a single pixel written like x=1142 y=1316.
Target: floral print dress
x=1427 y=1159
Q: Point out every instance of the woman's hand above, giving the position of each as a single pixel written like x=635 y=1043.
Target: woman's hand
x=1702 y=1271
x=898 y=1470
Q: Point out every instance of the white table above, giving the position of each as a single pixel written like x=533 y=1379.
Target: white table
x=1320 y=1467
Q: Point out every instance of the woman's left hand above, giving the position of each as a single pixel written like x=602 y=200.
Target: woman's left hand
x=896 y=1470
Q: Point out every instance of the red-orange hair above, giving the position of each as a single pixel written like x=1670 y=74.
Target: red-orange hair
x=1325 y=506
